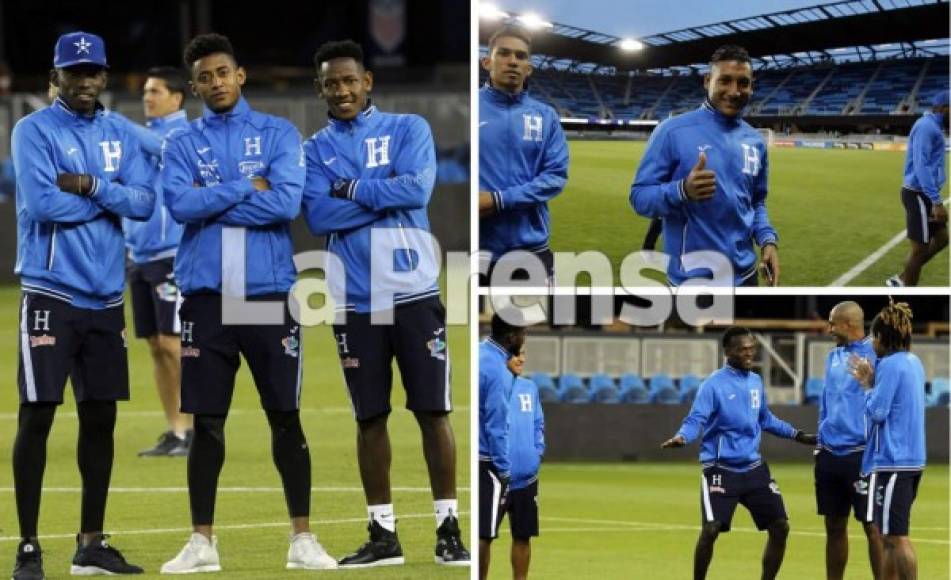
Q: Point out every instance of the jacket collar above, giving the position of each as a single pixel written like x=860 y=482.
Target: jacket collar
x=719 y=117
x=503 y=97
x=156 y=122
x=498 y=347
x=732 y=369
x=240 y=109
x=362 y=118
x=62 y=109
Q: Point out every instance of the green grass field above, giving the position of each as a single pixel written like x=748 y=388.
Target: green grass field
x=641 y=520
x=832 y=208
x=148 y=507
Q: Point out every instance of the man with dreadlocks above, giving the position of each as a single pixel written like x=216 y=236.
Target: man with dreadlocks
x=895 y=455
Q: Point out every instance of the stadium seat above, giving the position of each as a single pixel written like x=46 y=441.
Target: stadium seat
x=688 y=382
x=939 y=386
x=542 y=380
x=634 y=394
x=574 y=394
x=943 y=399
x=687 y=396
x=547 y=394
x=660 y=381
x=629 y=380
x=665 y=396
x=569 y=380
x=813 y=390
x=600 y=380
x=605 y=393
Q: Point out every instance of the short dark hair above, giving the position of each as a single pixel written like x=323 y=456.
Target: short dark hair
x=730 y=52
x=205 y=44
x=731 y=333
x=513 y=31
x=172 y=77
x=506 y=322
x=338 y=49
x=892 y=326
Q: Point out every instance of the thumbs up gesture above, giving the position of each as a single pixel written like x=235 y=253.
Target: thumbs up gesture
x=700 y=183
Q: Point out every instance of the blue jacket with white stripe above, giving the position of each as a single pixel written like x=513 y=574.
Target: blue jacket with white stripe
x=71 y=247
x=495 y=389
x=158 y=237
x=731 y=413
x=523 y=163
x=924 y=160
x=526 y=433
x=734 y=218
x=896 y=415
x=381 y=233
x=206 y=179
x=842 y=425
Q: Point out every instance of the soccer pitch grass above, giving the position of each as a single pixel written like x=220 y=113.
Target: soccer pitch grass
x=148 y=504
x=641 y=520
x=831 y=208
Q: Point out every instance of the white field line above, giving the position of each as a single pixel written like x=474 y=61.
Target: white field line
x=315 y=489
x=616 y=525
x=871 y=259
x=154 y=531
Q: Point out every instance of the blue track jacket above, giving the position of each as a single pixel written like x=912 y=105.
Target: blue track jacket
x=158 y=237
x=731 y=413
x=526 y=433
x=206 y=178
x=523 y=162
x=842 y=424
x=71 y=247
x=393 y=159
x=734 y=218
x=495 y=389
x=896 y=413
x=925 y=159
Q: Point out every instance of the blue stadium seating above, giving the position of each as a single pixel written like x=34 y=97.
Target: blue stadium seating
x=665 y=396
x=813 y=390
x=687 y=396
x=939 y=387
x=660 y=381
x=541 y=379
x=605 y=393
x=688 y=382
x=629 y=380
x=634 y=394
x=571 y=389
x=547 y=394
x=944 y=399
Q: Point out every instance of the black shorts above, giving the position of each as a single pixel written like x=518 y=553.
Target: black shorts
x=491 y=494
x=59 y=340
x=416 y=338
x=840 y=487
x=894 y=491
x=918 y=216
x=211 y=357
x=721 y=489
x=155 y=298
x=547 y=260
x=522 y=510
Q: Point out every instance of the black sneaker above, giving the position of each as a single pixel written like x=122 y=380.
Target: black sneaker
x=183 y=445
x=167 y=442
x=29 y=565
x=100 y=558
x=449 y=548
x=383 y=549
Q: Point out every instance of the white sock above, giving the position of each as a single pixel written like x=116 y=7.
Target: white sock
x=444 y=509
x=383 y=514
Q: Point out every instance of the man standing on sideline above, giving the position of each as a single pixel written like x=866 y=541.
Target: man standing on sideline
x=152 y=247
x=895 y=455
x=495 y=390
x=526 y=448
x=78 y=171
x=235 y=180
x=731 y=413
x=370 y=176
x=926 y=218
x=705 y=173
x=523 y=159
x=840 y=487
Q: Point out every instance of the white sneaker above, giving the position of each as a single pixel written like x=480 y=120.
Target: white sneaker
x=894 y=282
x=198 y=555
x=307 y=553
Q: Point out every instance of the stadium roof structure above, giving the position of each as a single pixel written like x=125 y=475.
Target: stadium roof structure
x=845 y=30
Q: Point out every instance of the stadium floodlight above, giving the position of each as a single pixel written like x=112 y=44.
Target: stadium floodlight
x=491 y=12
x=631 y=44
x=533 y=21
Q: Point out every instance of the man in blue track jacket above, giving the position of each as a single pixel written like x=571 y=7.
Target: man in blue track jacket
x=840 y=486
x=705 y=173
x=926 y=218
x=730 y=412
x=78 y=173
x=495 y=389
x=526 y=448
x=235 y=179
x=152 y=246
x=895 y=454
x=370 y=176
x=523 y=161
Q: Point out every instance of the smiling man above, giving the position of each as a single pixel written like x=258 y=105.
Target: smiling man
x=370 y=176
x=705 y=174
x=236 y=177
x=730 y=413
